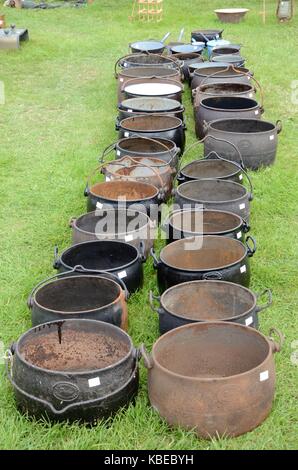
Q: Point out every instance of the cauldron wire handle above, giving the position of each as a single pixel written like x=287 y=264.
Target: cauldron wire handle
x=276 y=347
x=251 y=251
x=148 y=361
x=269 y=302
x=248 y=74
x=153 y=297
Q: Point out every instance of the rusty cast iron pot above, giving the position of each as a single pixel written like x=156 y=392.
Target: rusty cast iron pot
x=133 y=195
x=145 y=60
x=236 y=60
x=217 y=378
x=193 y=222
x=257 y=140
x=215 y=194
x=112 y=256
x=148 y=170
x=132 y=227
x=154 y=88
x=220 y=74
x=212 y=90
x=230 y=49
x=163 y=149
x=224 y=107
x=54 y=375
x=201 y=301
x=154 y=126
x=133 y=75
x=185 y=61
x=137 y=106
x=94 y=297
x=204 y=258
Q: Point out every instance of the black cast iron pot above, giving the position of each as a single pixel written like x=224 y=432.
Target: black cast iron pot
x=193 y=222
x=74 y=369
x=204 y=258
x=206 y=35
x=137 y=106
x=73 y=295
x=113 y=256
x=154 y=126
x=201 y=301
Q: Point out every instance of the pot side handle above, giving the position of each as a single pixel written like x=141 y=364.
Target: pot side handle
x=251 y=251
x=156 y=262
x=276 y=346
x=216 y=276
x=147 y=358
x=153 y=297
x=278 y=126
x=269 y=302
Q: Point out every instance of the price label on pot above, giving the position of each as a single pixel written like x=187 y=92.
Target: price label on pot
x=264 y=376
x=129 y=110
x=95 y=382
x=271 y=137
x=256 y=112
x=243 y=269
x=239 y=235
x=241 y=177
x=121 y=80
x=251 y=95
x=241 y=206
x=126 y=134
x=128 y=238
x=122 y=274
x=108 y=178
x=249 y=321
x=118 y=153
x=99 y=205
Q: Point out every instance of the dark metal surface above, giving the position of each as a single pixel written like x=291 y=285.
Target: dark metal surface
x=162 y=149
x=220 y=74
x=219 y=89
x=206 y=34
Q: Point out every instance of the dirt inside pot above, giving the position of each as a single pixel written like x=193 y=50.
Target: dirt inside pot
x=150 y=123
x=213 y=221
x=115 y=222
x=211 y=190
x=137 y=144
x=209 y=169
x=243 y=126
x=130 y=190
x=78 y=351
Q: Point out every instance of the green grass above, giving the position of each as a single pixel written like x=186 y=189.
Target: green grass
x=59 y=115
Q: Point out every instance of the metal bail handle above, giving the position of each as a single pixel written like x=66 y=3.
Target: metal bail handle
x=156 y=262
x=276 y=346
x=153 y=297
x=251 y=251
x=269 y=302
x=147 y=358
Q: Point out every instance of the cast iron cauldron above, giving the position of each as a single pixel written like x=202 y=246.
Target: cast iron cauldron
x=256 y=140
x=155 y=88
x=136 y=75
x=132 y=227
x=133 y=195
x=230 y=49
x=224 y=107
x=112 y=256
x=72 y=295
x=192 y=222
x=185 y=61
x=212 y=90
x=137 y=106
x=148 y=170
x=204 y=75
x=196 y=47
x=236 y=60
x=145 y=60
x=151 y=45
x=215 y=194
x=154 y=126
x=217 y=378
x=204 y=258
x=206 y=35
x=73 y=369
x=201 y=301
x=163 y=149
x=213 y=166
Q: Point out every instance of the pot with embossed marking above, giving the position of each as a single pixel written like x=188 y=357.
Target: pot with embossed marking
x=73 y=369
x=216 y=378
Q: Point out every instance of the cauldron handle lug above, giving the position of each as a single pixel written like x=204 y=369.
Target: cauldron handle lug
x=72 y=221
x=147 y=358
x=245 y=226
x=278 y=126
x=86 y=190
x=156 y=262
x=117 y=124
x=276 y=346
x=153 y=297
x=251 y=251
x=142 y=251
x=56 y=262
x=269 y=294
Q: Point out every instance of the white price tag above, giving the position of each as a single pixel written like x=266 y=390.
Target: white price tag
x=108 y=178
x=243 y=269
x=121 y=80
x=99 y=205
x=241 y=206
x=128 y=238
x=256 y=112
x=239 y=235
x=241 y=177
x=129 y=110
x=126 y=134
x=94 y=382
x=251 y=95
x=118 y=153
x=249 y=321
x=271 y=137
x=264 y=376
x=122 y=274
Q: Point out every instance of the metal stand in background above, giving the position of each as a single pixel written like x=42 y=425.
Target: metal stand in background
x=285 y=10
x=147 y=10
x=10 y=38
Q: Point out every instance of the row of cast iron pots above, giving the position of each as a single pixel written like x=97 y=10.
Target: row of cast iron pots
x=105 y=256
x=54 y=375
x=205 y=301
x=217 y=378
x=206 y=257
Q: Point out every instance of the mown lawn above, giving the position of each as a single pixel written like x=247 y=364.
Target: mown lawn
x=59 y=115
